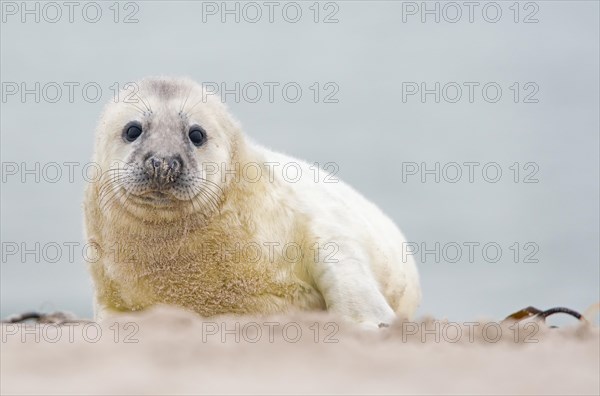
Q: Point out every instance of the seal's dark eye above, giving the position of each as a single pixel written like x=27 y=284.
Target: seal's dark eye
x=197 y=135
x=132 y=131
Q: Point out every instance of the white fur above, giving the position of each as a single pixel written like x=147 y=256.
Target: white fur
x=358 y=272
x=369 y=283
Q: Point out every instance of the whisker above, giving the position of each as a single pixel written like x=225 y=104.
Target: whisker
x=144 y=102
x=191 y=199
x=124 y=204
x=142 y=111
x=200 y=194
x=185 y=101
x=108 y=197
x=210 y=195
x=187 y=112
x=104 y=185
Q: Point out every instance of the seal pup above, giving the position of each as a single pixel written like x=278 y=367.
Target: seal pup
x=190 y=212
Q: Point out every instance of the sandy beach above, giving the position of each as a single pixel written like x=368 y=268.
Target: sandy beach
x=169 y=351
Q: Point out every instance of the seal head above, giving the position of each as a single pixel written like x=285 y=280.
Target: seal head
x=161 y=149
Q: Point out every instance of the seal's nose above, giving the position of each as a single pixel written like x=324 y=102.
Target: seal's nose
x=163 y=170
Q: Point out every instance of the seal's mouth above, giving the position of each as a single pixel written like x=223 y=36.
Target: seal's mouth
x=156 y=198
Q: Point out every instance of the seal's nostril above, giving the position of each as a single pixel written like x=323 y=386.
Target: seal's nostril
x=163 y=170
x=174 y=164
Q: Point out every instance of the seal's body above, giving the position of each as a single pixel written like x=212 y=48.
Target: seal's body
x=190 y=212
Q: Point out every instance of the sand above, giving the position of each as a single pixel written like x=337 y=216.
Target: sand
x=169 y=351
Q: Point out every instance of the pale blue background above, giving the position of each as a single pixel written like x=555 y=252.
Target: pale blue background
x=369 y=133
